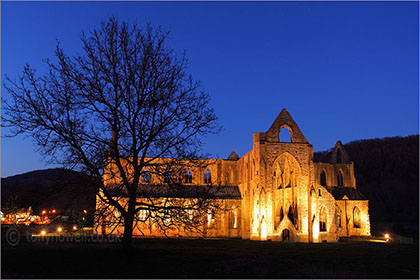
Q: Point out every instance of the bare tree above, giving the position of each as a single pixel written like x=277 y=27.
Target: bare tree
x=122 y=109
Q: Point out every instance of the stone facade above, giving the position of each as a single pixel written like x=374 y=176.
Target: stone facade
x=283 y=194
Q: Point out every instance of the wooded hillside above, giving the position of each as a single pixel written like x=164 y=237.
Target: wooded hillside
x=387 y=173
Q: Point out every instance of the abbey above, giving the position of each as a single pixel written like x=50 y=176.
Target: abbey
x=277 y=192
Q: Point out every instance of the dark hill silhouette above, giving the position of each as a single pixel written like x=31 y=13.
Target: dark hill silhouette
x=387 y=173
x=68 y=191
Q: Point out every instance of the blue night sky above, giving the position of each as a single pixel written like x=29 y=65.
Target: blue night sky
x=344 y=70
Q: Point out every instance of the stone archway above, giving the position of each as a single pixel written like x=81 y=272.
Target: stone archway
x=285 y=235
x=286 y=232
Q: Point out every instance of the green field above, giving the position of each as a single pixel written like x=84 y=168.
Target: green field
x=201 y=258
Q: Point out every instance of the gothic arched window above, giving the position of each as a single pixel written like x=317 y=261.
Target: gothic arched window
x=145 y=176
x=188 y=176
x=323 y=179
x=356 y=217
x=340 y=179
x=207 y=176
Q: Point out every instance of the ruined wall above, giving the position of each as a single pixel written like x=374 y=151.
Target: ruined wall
x=269 y=205
x=348 y=227
x=332 y=170
x=282 y=196
x=324 y=209
x=218 y=224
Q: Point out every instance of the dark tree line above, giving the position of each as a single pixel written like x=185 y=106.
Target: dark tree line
x=387 y=173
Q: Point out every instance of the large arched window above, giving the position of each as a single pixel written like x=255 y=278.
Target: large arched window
x=188 y=176
x=323 y=179
x=322 y=220
x=207 y=176
x=340 y=179
x=356 y=217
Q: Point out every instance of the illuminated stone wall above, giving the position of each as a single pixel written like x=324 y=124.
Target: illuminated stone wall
x=283 y=197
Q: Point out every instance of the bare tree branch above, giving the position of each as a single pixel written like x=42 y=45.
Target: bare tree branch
x=124 y=105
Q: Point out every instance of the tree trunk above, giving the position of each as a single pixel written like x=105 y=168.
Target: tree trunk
x=128 y=232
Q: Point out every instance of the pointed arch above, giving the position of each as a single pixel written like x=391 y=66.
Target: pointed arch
x=340 y=178
x=287 y=170
x=323 y=178
x=287 y=224
x=356 y=217
x=285 y=235
x=207 y=176
x=188 y=176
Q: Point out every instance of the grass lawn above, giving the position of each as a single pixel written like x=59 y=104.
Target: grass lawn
x=201 y=258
